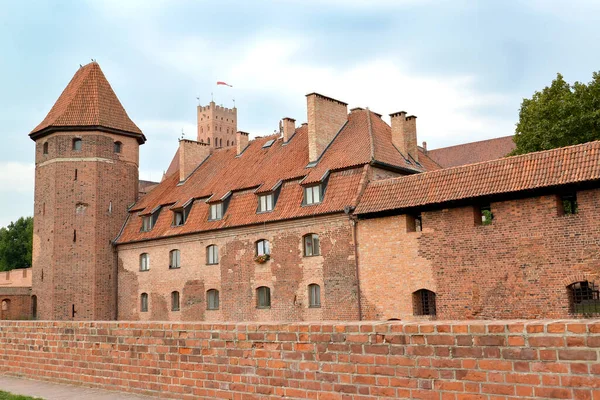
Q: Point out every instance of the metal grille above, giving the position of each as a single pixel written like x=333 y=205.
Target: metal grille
x=424 y=302
x=585 y=298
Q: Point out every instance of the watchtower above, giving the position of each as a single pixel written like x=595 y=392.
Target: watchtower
x=217 y=125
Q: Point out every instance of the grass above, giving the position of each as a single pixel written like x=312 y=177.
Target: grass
x=10 y=396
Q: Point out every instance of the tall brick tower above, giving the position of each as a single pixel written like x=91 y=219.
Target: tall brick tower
x=217 y=125
x=86 y=175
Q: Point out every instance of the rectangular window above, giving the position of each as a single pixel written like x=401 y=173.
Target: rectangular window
x=568 y=204
x=216 y=212
x=414 y=223
x=212 y=299
x=146 y=223
x=144 y=262
x=144 y=302
x=311 y=245
x=212 y=254
x=178 y=218
x=175 y=259
x=314 y=296
x=175 y=301
x=263 y=297
x=483 y=214
x=312 y=194
x=265 y=203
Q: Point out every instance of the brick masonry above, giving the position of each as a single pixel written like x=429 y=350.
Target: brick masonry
x=517 y=267
x=237 y=276
x=426 y=360
x=15 y=303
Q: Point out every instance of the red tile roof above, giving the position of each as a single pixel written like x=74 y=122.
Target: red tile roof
x=363 y=140
x=88 y=101
x=470 y=153
x=513 y=174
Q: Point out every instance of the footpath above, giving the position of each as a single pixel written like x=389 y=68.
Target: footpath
x=56 y=391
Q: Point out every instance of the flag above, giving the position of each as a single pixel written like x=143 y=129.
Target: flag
x=223 y=83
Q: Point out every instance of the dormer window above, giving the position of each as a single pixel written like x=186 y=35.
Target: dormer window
x=216 y=212
x=181 y=215
x=266 y=202
x=148 y=221
x=312 y=195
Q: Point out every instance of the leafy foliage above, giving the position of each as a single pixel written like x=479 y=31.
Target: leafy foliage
x=10 y=396
x=560 y=115
x=16 y=242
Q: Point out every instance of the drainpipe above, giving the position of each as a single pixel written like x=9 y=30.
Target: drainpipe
x=354 y=221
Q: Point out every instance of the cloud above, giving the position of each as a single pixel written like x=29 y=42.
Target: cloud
x=16 y=177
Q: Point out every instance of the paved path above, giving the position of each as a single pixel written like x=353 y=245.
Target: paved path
x=56 y=391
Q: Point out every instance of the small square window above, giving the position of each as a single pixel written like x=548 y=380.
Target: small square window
x=312 y=195
x=311 y=245
x=568 y=204
x=414 y=223
x=483 y=214
x=178 y=218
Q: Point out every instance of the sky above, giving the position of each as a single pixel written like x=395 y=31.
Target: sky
x=462 y=67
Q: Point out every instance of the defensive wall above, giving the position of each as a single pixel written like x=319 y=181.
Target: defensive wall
x=323 y=360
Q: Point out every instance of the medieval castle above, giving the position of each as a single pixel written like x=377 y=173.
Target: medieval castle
x=341 y=218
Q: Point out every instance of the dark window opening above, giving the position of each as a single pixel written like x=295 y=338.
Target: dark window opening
x=76 y=145
x=117 y=147
x=585 y=298
x=74 y=235
x=314 y=296
x=144 y=302
x=175 y=301
x=34 y=306
x=73 y=312
x=212 y=299
x=483 y=214
x=414 y=223
x=75 y=175
x=263 y=297
x=46 y=148
x=568 y=204
x=424 y=302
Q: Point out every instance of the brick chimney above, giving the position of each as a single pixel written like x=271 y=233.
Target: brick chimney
x=241 y=140
x=289 y=127
x=325 y=118
x=191 y=154
x=404 y=134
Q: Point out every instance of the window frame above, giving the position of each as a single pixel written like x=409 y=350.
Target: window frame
x=175 y=263
x=481 y=214
x=314 y=243
x=212 y=299
x=569 y=198
x=175 y=301
x=314 y=296
x=144 y=302
x=266 y=208
x=218 y=211
x=212 y=254
x=424 y=303
x=117 y=147
x=265 y=297
x=144 y=262
x=76 y=144
x=311 y=189
x=266 y=249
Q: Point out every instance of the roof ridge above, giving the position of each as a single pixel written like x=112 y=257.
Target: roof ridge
x=476 y=141
x=489 y=162
x=370 y=126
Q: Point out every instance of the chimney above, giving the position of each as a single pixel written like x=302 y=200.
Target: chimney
x=425 y=147
x=191 y=154
x=289 y=127
x=325 y=118
x=241 y=140
x=404 y=134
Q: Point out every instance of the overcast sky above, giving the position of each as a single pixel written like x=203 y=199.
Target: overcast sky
x=462 y=67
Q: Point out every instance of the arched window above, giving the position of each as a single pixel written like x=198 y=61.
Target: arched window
x=263 y=247
x=5 y=304
x=212 y=254
x=144 y=262
x=144 y=302
x=174 y=259
x=117 y=147
x=424 y=302
x=220 y=142
x=34 y=306
x=46 y=148
x=311 y=245
x=584 y=298
x=76 y=144
x=314 y=295
x=212 y=299
x=174 y=301
x=263 y=297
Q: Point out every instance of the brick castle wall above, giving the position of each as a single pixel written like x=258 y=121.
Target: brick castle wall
x=517 y=267
x=15 y=303
x=426 y=360
x=237 y=276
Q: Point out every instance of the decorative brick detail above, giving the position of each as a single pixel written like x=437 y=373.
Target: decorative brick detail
x=362 y=360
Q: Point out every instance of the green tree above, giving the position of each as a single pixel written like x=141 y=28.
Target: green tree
x=16 y=242
x=560 y=115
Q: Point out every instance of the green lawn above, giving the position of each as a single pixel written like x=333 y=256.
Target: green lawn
x=9 y=396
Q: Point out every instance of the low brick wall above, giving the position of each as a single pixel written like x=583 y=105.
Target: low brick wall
x=366 y=360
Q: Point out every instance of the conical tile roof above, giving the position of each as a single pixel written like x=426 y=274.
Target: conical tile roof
x=88 y=102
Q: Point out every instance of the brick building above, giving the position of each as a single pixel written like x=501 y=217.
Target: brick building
x=343 y=217
x=16 y=301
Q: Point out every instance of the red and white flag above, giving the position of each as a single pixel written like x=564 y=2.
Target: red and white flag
x=224 y=83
